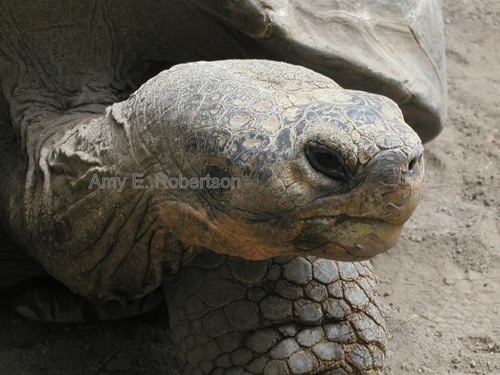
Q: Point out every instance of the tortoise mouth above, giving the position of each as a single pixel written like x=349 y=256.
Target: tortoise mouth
x=346 y=238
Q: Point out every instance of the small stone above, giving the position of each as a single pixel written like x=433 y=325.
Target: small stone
x=472 y=364
x=416 y=238
x=448 y=281
x=494 y=347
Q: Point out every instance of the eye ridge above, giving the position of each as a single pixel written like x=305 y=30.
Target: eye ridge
x=327 y=161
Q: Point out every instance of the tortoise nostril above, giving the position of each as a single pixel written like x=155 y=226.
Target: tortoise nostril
x=326 y=161
x=413 y=163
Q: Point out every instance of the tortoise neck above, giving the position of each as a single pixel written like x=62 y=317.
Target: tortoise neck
x=81 y=201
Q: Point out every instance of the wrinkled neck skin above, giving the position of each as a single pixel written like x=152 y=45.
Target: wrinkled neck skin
x=58 y=78
x=96 y=203
x=86 y=208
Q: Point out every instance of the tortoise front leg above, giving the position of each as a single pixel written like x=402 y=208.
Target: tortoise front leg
x=288 y=315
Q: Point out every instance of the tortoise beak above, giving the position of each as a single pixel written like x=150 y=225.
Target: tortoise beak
x=395 y=180
x=368 y=219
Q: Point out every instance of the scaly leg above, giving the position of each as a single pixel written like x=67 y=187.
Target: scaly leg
x=288 y=315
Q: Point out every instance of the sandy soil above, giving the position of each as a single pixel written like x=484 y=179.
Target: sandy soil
x=440 y=286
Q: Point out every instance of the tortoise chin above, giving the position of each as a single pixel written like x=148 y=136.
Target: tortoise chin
x=347 y=239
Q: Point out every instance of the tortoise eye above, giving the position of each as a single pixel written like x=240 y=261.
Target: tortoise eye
x=327 y=161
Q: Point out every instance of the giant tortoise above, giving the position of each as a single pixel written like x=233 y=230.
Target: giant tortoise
x=202 y=151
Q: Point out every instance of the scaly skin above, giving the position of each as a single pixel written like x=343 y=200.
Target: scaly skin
x=288 y=315
x=323 y=171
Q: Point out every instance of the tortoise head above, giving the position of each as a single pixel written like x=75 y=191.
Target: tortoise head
x=280 y=160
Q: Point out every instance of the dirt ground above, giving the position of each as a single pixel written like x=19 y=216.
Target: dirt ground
x=440 y=285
